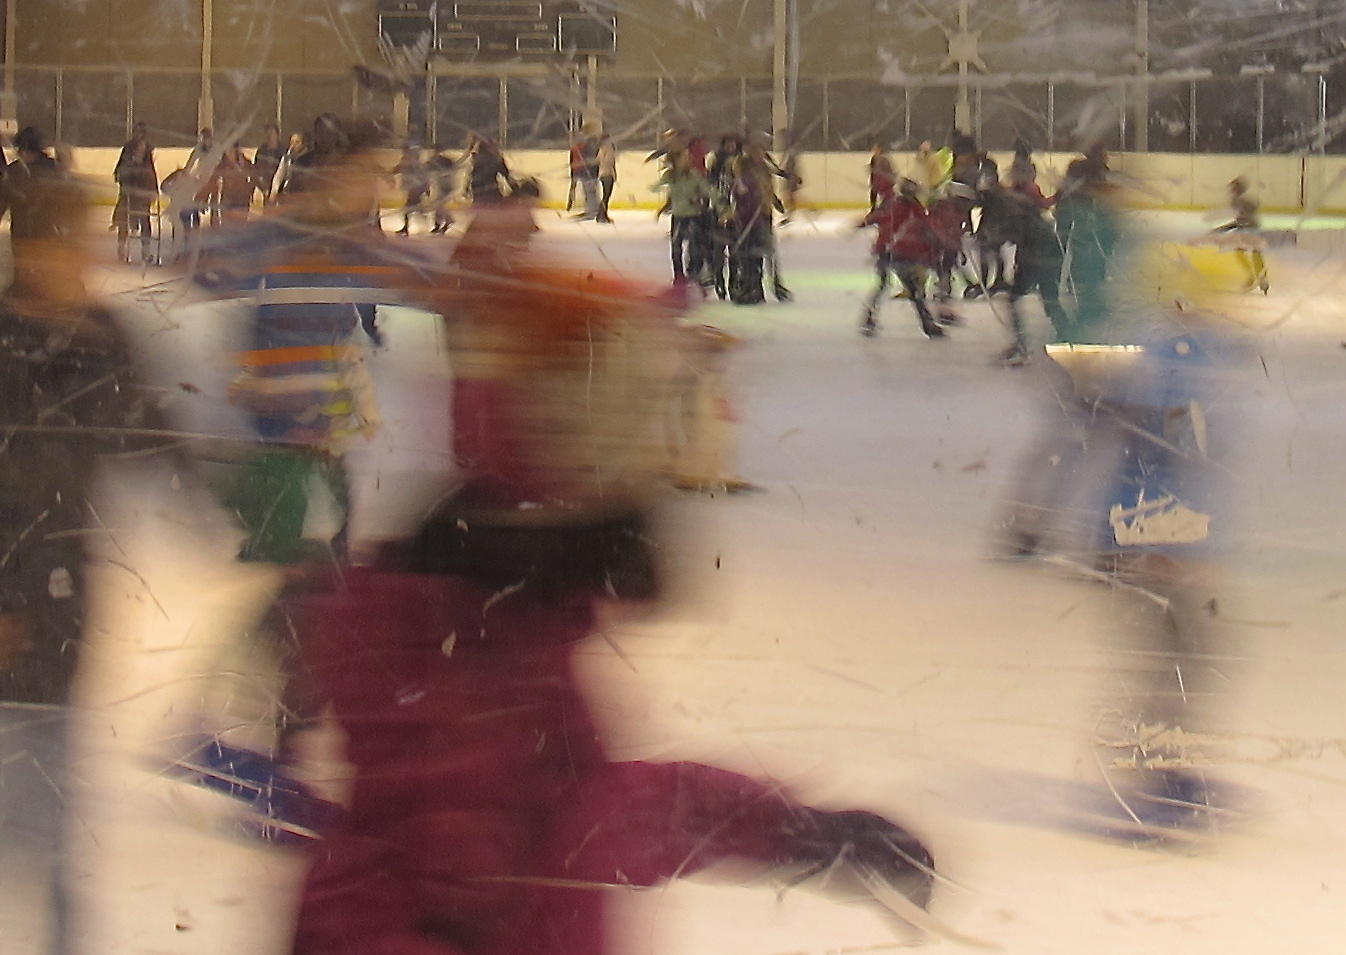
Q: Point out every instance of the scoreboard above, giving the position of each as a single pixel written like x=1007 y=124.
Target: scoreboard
x=498 y=31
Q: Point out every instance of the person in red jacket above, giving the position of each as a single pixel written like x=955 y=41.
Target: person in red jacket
x=486 y=817
x=905 y=248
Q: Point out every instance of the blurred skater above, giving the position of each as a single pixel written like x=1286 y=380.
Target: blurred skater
x=487 y=818
x=488 y=175
x=69 y=398
x=607 y=175
x=688 y=197
x=1037 y=257
x=137 y=188
x=902 y=248
x=414 y=178
x=266 y=161
x=1130 y=485
x=1247 y=222
x=1089 y=229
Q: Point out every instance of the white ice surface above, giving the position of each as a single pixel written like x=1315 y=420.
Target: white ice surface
x=842 y=632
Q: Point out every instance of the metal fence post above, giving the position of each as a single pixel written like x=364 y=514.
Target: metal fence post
x=1322 y=112
x=60 y=105
x=976 y=122
x=1261 y=112
x=659 y=100
x=827 y=118
x=1121 y=117
x=1191 y=116
x=1051 y=116
x=431 y=110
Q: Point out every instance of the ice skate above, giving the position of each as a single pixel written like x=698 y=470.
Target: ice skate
x=1017 y=545
x=1015 y=356
x=931 y=329
x=1159 y=807
x=869 y=325
x=829 y=843
x=858 y=856
x=278 y=808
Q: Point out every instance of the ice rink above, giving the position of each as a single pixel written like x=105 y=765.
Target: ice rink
x=843 y=631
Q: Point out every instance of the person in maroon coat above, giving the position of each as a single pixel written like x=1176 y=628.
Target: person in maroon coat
x=905 y=247
x=487 y=817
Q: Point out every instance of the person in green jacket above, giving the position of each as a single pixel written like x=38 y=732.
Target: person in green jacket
x=688 y=199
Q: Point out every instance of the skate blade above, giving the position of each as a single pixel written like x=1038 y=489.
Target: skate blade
x=907 y=911
x=1120 y=827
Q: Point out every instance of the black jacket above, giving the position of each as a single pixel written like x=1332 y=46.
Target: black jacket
x=67 y=396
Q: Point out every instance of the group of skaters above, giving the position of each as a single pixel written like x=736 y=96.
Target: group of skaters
x=723 y=205
x=224 y=180
x=221 y=183
x=435 y=185
x=958 y=220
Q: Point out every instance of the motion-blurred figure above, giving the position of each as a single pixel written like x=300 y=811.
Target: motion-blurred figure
x=488 y=175
x=315 y=269
x=1037 y=256
x=267 y=159
x=586 y=174
x=232 y=184
x=882 y=178
x=1245 y=225
x=486 y=816
x=443 y=170
x=607 y=175
x=68 y=397
x=1131 y=486
x=302 y=376
x=688 y=200
x=137 y=188
x=415 y=182
x=1088 y=227
x=904 y=247
x=702 y=424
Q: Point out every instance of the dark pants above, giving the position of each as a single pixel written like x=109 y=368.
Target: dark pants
x=912 y=277
x=688 y=244
x=718 y=241
x=1033 y=271
x=606 y=182
x=748 y=253
x=132 y=218
x=271 y=500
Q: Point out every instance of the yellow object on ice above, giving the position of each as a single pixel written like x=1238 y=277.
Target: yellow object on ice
x=1189 y=277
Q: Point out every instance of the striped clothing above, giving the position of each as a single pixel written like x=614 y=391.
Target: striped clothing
x=304 y=379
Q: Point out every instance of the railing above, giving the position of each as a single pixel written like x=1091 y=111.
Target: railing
x=1266 y=113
